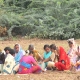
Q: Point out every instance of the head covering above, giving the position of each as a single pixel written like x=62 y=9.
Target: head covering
x=19 y=54
x=71 y=41
x=19 y=46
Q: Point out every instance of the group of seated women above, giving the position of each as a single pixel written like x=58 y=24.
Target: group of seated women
x=18 y=61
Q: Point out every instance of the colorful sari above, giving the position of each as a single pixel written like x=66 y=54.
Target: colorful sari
x=9 y=64
x=19 y=55
x=27 y=65
x=72 y=55
x=64 y=61
x=72 y=52
x=36 y=55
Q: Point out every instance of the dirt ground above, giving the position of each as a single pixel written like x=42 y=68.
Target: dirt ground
x=38 y=43
x=49 y=75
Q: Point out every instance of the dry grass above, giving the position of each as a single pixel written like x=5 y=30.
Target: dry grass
x=39 y=43
x=49 y=75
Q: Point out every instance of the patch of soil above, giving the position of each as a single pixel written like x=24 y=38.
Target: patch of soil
x=49 y=75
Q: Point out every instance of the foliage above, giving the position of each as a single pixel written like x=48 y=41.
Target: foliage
x=50 y=19
x=3 y=31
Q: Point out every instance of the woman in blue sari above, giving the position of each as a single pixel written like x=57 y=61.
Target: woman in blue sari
x=18 y=55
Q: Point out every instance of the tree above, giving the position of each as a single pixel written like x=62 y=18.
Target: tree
x=53 y=19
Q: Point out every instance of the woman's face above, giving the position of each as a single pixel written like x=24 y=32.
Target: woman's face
x=13 y=55
x=31 y=49
x=52 y=50
x=55 y=51
x=47 y=49
x=7 y=52
x=70 y=45
x=16 y=48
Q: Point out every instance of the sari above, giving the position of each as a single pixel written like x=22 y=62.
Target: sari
x=19 y=55
x=9 y=64
x=64 y=61
x=36 y=55
x=72 y=55
x=72 y=51
x=17 y=58
x=78 y=59
x=27 y=65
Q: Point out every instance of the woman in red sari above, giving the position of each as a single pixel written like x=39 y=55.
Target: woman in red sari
x=63 y=60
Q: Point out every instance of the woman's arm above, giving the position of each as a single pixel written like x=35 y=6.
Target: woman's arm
x=35 y=63
x=41 y=58
x=46 y=60
x=56 y=58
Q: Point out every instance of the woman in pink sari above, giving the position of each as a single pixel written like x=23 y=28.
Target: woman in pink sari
x=28 y=65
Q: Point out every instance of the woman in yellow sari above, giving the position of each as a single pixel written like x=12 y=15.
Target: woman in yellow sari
x=36 y=54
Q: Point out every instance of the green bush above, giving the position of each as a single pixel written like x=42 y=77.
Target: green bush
x=47 y=19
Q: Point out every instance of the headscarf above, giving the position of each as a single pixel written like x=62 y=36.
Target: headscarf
x=72 y=41
x=20 y=53
x=20 y=48
x=73 y=50
x=18 y=45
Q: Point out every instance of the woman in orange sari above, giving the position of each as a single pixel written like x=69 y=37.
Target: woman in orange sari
x=63 y=60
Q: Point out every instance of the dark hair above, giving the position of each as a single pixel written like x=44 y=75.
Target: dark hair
x=31 y=52
x=26 y=51
x=16 y=45
x=7 y=48
x=12 y=52
x=53 y=46
x=45 y=46
x=31 y=46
